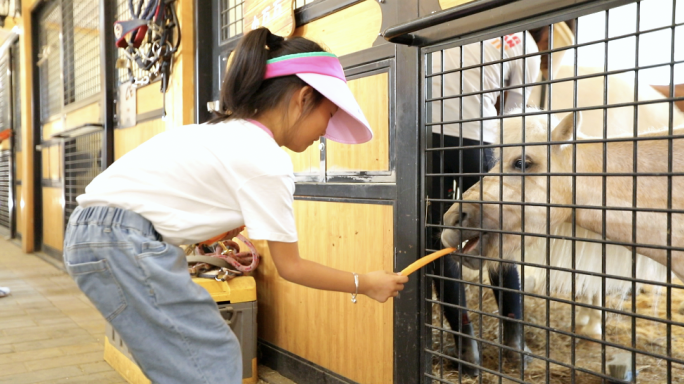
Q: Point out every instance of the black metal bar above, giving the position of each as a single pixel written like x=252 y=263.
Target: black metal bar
x=383 y=191
x=378 y=55
x=203 y=59
x=108 y=80
x=572 y=238
x=578 y=109
x=320 y=9
x=402 y=34
x=408 y=365
x=36 y=130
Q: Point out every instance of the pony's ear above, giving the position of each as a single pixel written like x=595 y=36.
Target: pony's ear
x=564 y=130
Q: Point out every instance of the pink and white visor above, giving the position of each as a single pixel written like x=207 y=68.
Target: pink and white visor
x=323 y=72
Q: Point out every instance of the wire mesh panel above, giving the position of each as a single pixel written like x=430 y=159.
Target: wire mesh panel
x=5 y=90
x=16 y=94
x=123 y=12
x=82 y=49
x=5 y=185
x=49 y=61
x=554 y=160
x=82 y=162
x=230 y=19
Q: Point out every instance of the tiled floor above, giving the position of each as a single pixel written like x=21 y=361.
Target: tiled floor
x=49 y=331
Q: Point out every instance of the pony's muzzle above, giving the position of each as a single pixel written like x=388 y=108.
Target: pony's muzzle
x=461 y=215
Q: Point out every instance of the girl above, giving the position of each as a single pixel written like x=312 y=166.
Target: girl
x=190 y=184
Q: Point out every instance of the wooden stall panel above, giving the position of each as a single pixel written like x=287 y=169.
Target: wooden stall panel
x=53 y=218
x=55 y=162
x=49 y=129
x=52 y=162
x=353 y=340
x=350 y=30
x=149 y=99
x=372 y=93
x=19 y=164
x=452 y=3
x=89 y=114
x=308 y=161
x=127 y=139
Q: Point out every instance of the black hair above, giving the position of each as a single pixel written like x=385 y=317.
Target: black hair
x=244 y=92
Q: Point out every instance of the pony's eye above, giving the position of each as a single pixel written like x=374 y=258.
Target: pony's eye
x=520 y=165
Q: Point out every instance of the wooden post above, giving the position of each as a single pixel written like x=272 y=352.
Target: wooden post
x=26 y=201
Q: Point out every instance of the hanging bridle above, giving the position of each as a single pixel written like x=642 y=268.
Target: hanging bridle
x=149 y=39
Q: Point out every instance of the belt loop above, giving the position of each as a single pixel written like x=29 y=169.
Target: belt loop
x=109 y=218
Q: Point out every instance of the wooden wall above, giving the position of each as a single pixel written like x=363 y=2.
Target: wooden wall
x=180 y=96
x=452 y=3
x=347 y=31
x=53 y=218
x=355 y=341
x=326 y=327
x=372 y=93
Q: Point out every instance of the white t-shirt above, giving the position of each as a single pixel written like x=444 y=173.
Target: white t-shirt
x=491 y=79
x=198 y=181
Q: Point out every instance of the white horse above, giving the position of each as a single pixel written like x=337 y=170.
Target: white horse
x=619 y=122
x=652 y=157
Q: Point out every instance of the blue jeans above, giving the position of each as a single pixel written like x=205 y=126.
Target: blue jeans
x=141 y=286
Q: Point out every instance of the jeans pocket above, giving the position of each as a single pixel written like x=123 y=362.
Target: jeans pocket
x=100 y=286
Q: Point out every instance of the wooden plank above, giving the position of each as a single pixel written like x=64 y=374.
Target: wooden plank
x=18 y=158
x=372 y=93
x=127 y=139
x=452 y=3
x=53 y=218
x=89 y=114
x=55 y=162
x=308 y=161
x=51 y=128
x=347 y=31
x=353 y=340
x=149 y=98
x=180 y=98
x=25 y=224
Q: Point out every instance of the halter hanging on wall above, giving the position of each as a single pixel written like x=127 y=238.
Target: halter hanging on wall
x=149 y=39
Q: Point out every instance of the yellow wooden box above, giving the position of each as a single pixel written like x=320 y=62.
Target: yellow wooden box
x=237 y=302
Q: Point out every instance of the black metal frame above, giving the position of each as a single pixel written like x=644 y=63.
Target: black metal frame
x=105 y=96
x=442 y=30
x=15 y=140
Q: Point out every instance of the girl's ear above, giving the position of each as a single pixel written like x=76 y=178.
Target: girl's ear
x=301 y=98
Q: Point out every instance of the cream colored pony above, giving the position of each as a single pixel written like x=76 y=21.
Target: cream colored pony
x=652 y=157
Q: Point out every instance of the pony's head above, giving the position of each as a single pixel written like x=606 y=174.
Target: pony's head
x=515 y=187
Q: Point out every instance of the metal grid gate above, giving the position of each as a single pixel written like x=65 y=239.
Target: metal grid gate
x=82 y=163
x=81 y=44
x=5 y=190
x=5 y=91
x=553 y=162
x=49 y=61
x=230 y=19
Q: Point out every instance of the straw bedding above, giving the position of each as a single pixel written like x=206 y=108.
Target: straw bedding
x=650 y=337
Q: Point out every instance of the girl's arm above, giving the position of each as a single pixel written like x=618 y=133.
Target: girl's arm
x=379 y=285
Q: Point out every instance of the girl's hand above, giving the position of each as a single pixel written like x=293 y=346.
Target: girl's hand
x=381 y=285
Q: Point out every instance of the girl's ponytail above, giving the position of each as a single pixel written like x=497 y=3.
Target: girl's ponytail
x=246 y=72
x=244 y=92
